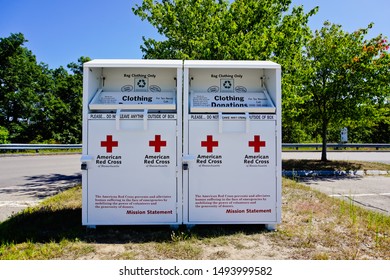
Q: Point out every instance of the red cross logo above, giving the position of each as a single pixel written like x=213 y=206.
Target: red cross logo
x=256 y=143
x=209 y=143
x=157 y=143
x=109 y=144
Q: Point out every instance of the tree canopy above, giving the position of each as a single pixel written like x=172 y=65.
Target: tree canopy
x=348 y=78
x=330 y=78
x=242 y=30
x=217 y=30
x=37 y=104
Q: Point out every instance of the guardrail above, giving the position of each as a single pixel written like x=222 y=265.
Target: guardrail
x=318 y=146
x=295 y=146
x=38 y=147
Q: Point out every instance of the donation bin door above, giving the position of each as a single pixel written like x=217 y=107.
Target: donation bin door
x=232 y=140
x=132 y=179
x=131 y=131
x=232 y=179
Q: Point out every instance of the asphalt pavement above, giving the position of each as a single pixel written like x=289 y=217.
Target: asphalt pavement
x=26 y=180
x=371 y=192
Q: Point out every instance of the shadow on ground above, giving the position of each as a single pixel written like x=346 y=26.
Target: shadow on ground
x=304 y=164
x=316 y=180
x=46 y=225
x=43 y=186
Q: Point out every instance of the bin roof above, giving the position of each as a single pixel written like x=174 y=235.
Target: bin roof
x=159 y=63
x=231 y=64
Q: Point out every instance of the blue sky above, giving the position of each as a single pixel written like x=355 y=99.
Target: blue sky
x=60 y=31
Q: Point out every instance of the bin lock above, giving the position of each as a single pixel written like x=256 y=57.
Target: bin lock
x=186 y=161
x=85 y=159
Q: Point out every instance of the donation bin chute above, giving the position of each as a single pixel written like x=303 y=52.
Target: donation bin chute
x=232 y=142
x=131 y=141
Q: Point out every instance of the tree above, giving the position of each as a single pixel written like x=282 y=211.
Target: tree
x=22 y=84
x=242 y=30
x=348 y=78
x=60 y=118
x=210 y=29
x=67 y=111
x=3 y=135
x=38 y=104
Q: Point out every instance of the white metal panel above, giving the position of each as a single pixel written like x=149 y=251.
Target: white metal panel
x=233 y=64
x=146 y=78
x=132 y=177
x=232 y=179
x=117 y=63
x=226 y=80
x=213 y=77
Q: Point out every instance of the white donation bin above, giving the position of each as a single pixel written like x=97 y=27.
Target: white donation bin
x=132 y=135
x=232 y=142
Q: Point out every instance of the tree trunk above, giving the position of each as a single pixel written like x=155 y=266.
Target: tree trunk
x=324 y=135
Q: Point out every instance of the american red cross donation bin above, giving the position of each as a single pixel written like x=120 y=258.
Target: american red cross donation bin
x=132 y=135
x=232 y=142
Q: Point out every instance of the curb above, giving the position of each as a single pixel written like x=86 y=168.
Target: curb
x=329 y=173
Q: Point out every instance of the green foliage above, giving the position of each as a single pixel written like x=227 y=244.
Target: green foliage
x=38 y=104
x=210 y=29
x=331 y=79
x=3 y=135
x=19 y=76
x=348 y=82
x=242 y=30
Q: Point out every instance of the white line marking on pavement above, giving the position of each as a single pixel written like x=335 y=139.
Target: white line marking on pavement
x=18 y=203
x=360 y=194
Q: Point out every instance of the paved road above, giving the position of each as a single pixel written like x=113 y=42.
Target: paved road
x=26 y=180
x=371 y=192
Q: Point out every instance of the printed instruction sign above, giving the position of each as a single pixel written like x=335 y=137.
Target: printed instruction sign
x=234 y=102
